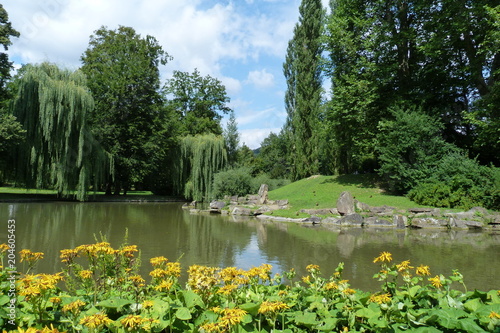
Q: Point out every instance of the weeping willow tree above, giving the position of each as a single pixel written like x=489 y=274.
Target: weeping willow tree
x=201 y=156
x=59 y=152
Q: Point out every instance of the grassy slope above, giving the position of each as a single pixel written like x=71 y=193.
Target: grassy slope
x=323 y=192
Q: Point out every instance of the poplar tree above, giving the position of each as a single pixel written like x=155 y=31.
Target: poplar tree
x=302 y=70
x=59 y=151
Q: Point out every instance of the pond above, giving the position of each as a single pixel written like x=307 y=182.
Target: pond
x=164 y=229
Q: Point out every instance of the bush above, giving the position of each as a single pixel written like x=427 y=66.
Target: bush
x=232 y=182
x=264 y=178
x=460 y=182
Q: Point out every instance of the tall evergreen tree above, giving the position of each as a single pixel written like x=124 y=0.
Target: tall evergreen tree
x=302 y=70
x=232 y=139
x=124 y=78
x=6 y=33
x=60 y=152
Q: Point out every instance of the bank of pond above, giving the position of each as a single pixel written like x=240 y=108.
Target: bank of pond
x=101 y=289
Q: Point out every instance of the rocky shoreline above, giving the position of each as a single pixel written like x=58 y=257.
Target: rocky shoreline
x=352 y=213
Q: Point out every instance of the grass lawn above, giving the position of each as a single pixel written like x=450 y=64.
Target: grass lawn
x=323 y=192
x=22 y=194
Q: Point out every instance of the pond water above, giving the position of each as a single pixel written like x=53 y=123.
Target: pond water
x=164 y=229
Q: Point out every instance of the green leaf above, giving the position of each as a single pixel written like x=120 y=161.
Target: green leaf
x=328 y=325
x=114 y=303
x=251 y=308
x=473 y=304
x=4 y=299
x=469 y=326
x=192 y=299
x=183 y=313
x=307 y=318
x=414 y=290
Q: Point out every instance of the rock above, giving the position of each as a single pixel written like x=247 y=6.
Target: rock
x=376 y=222
x=345 y=203
x=473 y=224
x=262 y=210
x=330 y=220
x=313 y=220
x=324 y=211
x=457 y=224
x=362 y=206
x=217 y=205
x=400 y=221
x=242 y=211
x=383 y=210
x=281 y=203
x=429 y=222
x=263 y=190
x=352 y=219
x=190 y=205
x=420 y=210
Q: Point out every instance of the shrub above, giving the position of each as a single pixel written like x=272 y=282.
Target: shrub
x=232 y=182
x=461 y=182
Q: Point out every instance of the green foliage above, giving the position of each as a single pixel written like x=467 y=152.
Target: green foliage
x=233 y=182
x=459 y=182
x=232 y=139
x=240 y=182
x=202 y=156
x=302 y=69
x=104 y=293
x=59 y=151
x=409 y=148
x=198 y=101
x=273 y=156
x=6 y=33
x=123 y=76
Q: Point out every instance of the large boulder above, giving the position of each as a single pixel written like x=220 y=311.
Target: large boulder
x=351 y=220
x=377 y=222
x=242 y=211
x=263 y=190
x=345 y=204
x=429 y=223
x=400 y=221
x=217 y=205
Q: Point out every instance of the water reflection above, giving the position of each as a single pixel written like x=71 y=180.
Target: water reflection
x=165 y=229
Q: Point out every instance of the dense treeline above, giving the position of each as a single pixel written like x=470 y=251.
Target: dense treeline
x=414 y=96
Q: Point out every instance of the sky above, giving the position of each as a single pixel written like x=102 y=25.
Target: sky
x=241 y=42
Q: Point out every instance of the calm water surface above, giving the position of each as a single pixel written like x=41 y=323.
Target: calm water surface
x=165 y=229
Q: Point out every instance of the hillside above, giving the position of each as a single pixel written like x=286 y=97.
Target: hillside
x=323 y=192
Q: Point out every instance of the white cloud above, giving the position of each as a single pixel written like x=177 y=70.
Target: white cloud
x=254 y=137
x=261 y=79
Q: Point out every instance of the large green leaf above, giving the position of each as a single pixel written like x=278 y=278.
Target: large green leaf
x=306 y=318
x=114 y=303
x=192 y=299
x=183 y=313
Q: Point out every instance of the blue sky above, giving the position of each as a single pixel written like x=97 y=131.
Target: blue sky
x=242 y=43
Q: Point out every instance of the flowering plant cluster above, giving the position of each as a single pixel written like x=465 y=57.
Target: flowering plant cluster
x=100 y=290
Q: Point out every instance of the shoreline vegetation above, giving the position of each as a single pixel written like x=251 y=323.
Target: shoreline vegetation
x=100 y=290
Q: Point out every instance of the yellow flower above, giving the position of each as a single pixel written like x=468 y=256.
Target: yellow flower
x=147 y=304
x=349 y=291
x=158 y=261
x=27 y=255
x=232 y=317
x=174 y=269
x=383 y=298
x=436 y=281
x=147 y=323
x=404 y=265
x=383 y=257
x=128 y=251
x=212 y=327
x=4 y=247
x=131 y=321
x=494 y=315
x=306 y=279
x=158 y=273
x=331 y=286
x=266 y=307
x=95 y=321
x=137 y=280
x=55 y=300
x=312 y=268
x=85 y=274
x=164 y=285
x=67 y=256
x=230 y=274
x=73 y=306
x=227 y=289
x=423 y=270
